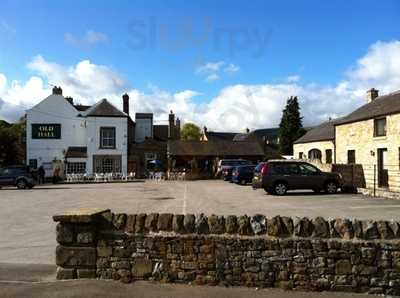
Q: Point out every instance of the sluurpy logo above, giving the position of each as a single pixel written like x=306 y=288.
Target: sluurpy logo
x=152 y=33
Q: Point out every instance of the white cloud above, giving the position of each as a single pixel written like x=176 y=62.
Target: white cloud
x=232 y=68
x=210 y=67
x=212 y=77
x=213 y=70
x=293 y=78
x=3 y=83
x=89 y=38
x=234 y=108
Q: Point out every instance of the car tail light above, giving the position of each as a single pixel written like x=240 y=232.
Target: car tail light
x=264 y=170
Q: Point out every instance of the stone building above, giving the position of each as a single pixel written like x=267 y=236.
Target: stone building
x=369 y=136
x=317 y=144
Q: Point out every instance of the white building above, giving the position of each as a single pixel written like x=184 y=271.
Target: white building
x=77 y=138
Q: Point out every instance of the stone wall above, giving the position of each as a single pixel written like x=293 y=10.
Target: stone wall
x=291 y=253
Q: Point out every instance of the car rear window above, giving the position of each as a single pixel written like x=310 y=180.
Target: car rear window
x=285 y=169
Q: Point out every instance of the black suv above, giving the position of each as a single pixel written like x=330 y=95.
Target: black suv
x=19 y=176
x=279 y=176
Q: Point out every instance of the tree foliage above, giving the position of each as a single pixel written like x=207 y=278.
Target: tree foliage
x=12 y=143
x=190 y=131
x=291 y=127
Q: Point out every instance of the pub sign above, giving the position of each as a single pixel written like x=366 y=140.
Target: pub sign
x=46 y=131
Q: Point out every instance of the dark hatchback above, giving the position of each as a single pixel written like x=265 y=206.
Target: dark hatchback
x=243 y=174
x=279 y=176
x=19 y=176
x=228 y=168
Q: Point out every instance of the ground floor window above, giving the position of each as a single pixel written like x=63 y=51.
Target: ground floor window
x=76 y=167
x=314 y=154
x=107 y=163
x=33 y=163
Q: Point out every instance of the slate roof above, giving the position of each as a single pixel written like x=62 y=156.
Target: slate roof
x=322 y=132
x=76 y=152
x=215 y=136
x=380 y=106
x=241 y=137
x=81 y=108
x=214 y=148
x=144 y=115
x=104 y=109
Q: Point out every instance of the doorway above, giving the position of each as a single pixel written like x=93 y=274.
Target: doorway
x=383 y=179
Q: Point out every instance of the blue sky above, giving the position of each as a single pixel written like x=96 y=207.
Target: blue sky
x=206 y=47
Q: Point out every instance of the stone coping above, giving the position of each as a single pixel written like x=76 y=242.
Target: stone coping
x=83 y=215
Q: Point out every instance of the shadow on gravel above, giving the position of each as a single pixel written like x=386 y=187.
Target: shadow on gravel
x=161 y=198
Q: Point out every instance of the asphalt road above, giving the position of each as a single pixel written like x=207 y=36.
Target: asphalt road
x=27 y=230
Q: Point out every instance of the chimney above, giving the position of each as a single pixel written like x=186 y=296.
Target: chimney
x=70 y=99
x=57 y=90
x=178 y=129
x=372 y=94
x=125 y=103
x=171 y=125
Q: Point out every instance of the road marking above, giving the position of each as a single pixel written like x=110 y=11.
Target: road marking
x=184 y=200
x=375 y=206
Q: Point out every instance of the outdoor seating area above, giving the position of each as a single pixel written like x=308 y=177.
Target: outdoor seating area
x=99 y=177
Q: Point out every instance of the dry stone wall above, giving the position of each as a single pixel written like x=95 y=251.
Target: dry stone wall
x=292 y=253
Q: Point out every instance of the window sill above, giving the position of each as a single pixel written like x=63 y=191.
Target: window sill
x=380 y=138
x=107 y=148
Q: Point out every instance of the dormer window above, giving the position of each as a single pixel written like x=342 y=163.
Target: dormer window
x=380 y=127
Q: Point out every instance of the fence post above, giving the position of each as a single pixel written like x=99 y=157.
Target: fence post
x=374 y=180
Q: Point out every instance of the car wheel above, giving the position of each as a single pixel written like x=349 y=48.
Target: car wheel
x=331 y=187
x=21 y=184
x=280 y=188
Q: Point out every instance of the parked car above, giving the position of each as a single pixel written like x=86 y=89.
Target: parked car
x=279 y=176
x=243 y=174
x=19 y=176
x=227 y=166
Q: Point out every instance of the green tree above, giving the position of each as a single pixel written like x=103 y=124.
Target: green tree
x=291 y=127
x=190 y=131
x=12 y=143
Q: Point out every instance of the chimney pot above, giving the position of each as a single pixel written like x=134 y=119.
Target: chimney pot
x=57 y=90
x=125 y=103
x=372 y=94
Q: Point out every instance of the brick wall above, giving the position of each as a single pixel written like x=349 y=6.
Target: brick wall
x=291 y=253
